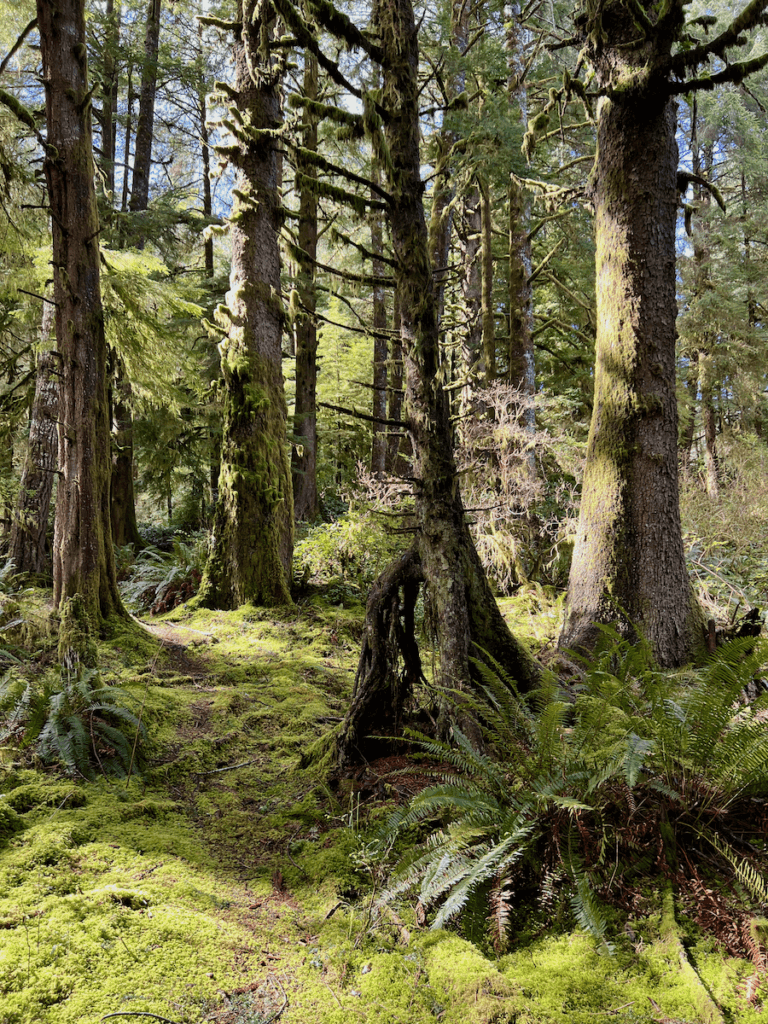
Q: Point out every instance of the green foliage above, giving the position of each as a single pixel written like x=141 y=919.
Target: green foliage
x=346 y=554
x=600 y=792
x=726 y=538
x=74 y=722
x=521 y=487
x=159 y=581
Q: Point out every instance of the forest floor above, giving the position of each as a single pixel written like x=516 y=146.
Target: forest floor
x=224 y=882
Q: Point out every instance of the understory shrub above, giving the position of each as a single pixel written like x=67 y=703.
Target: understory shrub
x=521 y=487
x=160 y=581
x=582 y=798
x=726 y=538
x=346 y=554
x=72 y=721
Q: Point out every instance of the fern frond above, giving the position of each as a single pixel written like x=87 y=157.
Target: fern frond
x=750 y=878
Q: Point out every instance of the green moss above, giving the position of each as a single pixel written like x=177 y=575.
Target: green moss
x=159 y=894
x=10 y=823
x=24 y=798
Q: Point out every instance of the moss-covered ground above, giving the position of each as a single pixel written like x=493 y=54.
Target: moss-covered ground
x=224 y=882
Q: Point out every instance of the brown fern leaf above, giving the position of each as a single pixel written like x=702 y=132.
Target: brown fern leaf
x=500 y=903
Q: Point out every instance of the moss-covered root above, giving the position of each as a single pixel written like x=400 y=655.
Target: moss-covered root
x=708 y=1010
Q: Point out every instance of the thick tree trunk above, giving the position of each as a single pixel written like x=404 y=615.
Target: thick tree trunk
x=629 y=564
x=304 y=449
x=466 y=617
x=26 y=546
x=252 y=545
x=83 y=559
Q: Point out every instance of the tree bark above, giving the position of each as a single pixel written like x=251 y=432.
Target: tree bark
x=399 y=444
x=205 y=151
x=467 y=620
x=145 y=126
x=470 y=234
x=304 y=449
x=380 y=346
x=83 y=559
x=122 y=500
x=252 y=545
x=629 y=564
x=520 y=353
x=26 y=547
x=109 y=87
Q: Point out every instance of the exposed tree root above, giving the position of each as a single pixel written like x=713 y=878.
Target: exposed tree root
x=389 y=663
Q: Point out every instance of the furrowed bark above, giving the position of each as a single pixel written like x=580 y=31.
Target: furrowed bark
x=83 y=559
x=252 y=545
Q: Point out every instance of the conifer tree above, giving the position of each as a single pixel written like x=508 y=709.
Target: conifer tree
x=466 y=617
x=252 y=544
x=84 y=580
x=629 y=565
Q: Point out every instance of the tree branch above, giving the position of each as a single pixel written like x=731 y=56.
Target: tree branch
x=733 y=73
x=362 y=415
x=17 y=44
x=754 y=14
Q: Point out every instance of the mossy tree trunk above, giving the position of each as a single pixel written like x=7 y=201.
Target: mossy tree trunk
x=466 y=617
x=252 y=544
x=304 y=450
x=629 y=564
x=26 y=546
x=520 y=354
x=399 y=443
x=380 y=344
x=83 y=559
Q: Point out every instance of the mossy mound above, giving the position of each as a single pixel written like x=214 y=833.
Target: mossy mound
x=10 y=823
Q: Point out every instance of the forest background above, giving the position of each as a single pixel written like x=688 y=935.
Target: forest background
x=255 y=177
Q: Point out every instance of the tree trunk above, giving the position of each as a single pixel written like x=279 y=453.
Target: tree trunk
x=130 y=97
x=629 y=564
x=488 y=322
x=26 y=547
x=470 y=234
x=109 y=87
x=709 y=423
x=304 y=449
x=399 y=445
x=466 y=617
x=145 y=126
x=520 y=358
x=205 y=151
x=380 y=346
x=689 y=425
x=252 y=545
x=122 y=502
x=83 y=559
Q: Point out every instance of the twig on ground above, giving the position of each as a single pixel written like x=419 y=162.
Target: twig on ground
x=138 y=1013
x=229 y=767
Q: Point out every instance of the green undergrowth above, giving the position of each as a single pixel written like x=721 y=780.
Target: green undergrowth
x=223 y=882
